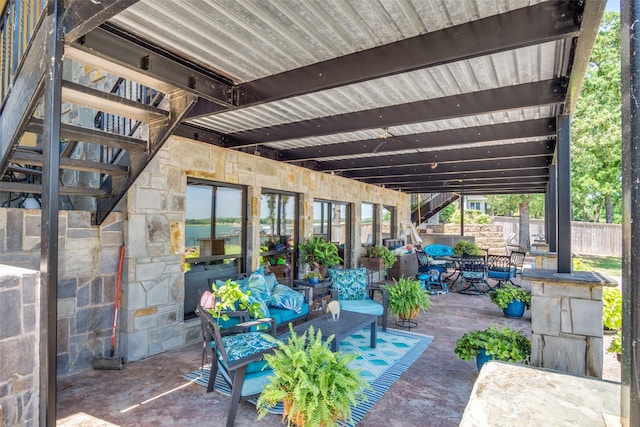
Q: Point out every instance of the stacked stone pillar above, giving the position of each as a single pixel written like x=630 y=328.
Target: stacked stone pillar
x=566 y=320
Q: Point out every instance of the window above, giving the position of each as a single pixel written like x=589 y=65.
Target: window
x=215 y=230
x=332 y=220
x=368 y=221
x=475 y=205
x=278 y=228
x=388 y=222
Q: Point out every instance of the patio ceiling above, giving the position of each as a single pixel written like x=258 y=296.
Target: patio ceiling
x=415 y=95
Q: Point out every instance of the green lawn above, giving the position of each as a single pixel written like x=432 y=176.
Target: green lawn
x=610 y=266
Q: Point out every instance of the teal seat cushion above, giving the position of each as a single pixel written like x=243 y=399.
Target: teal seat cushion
x=255 y=382
x=351 y=283
x=246 y=344
x=284 y=297
x=471 y=275
x=366 y=306
x=284 y=316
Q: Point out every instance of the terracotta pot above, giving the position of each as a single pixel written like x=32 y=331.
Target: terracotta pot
x=297 y=420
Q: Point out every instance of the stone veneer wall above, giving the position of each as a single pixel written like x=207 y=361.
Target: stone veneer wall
x=487 y=236
x=19 y=346
x=87 y=272
x=153 y=304
x=566 y=320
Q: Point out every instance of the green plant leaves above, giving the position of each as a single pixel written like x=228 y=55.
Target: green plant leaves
x=503 y=344
x=504 y=295
x=405 y=295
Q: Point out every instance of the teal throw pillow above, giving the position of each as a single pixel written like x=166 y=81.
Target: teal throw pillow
x=257 y=284
x=351 y=283
x=283 y=296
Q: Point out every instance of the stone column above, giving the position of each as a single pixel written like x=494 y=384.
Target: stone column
x=566 y=320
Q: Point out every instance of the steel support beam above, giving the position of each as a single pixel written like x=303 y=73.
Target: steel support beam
x=480 y=37
x=553 y=209
x=125 y=56
x=444 y=177
x=442 y=186
x=453 y=169
x=547 y=92
x=49 y=217
x=82 y=16
x=630 y=45
x=563 y=164
x=494 y=152
x=501 y=132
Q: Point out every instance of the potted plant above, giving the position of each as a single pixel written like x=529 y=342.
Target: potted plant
x=493 y=343
x=316 y=385
x=406 y=297
x=616 y=345
x=512 y=300
x=467 y=247
x=228 y=297
x=319 y=253
x=379 y=256
x=314 y=277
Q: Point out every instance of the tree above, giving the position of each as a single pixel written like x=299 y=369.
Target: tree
x=525 y=205
x=596 y=150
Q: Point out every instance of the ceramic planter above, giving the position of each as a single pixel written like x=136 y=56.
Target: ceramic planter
x=515 y=309
x=482 y=358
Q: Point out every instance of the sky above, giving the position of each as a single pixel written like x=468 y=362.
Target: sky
x=613 y=5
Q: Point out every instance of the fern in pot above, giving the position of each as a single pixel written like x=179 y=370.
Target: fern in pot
x=493 y=343
x=316 y=385
x=407 y=297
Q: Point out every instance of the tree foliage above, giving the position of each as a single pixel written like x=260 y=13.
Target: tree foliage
x=596 y=131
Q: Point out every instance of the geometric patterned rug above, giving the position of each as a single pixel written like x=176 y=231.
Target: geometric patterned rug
x=395 y=351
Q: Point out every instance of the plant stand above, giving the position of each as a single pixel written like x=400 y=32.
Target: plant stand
x=405 y=323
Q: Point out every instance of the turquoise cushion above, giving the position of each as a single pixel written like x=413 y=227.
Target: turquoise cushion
x=284 y=316
x=257 y=284
x=271 y=280
x=246 y=344
x=284 y=297
x=473 y=274
x=351 y=283
x=254 y=383
x=366 y=306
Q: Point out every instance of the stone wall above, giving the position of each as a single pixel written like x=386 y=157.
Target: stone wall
x=19 y=346
x=487 y=236
x=153 y=309
x=566 y=320
x=87 y=271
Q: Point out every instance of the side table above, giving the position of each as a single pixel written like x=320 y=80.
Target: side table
x=320 y=293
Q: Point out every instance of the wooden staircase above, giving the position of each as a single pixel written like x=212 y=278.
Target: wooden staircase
x=116 y=156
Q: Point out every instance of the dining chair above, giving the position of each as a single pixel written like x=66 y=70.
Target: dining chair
x=473 y=273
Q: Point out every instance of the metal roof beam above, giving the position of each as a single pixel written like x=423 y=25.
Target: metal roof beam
x=433 y=187
x=547 y=92
x=82 y=16
x=436 y=176
x=500 y=191
x=494 y=152
x=443 y=138
x=453 y=168
x=120 y=53
x=553 y=21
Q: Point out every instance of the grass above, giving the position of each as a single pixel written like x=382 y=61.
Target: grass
x=610 y=266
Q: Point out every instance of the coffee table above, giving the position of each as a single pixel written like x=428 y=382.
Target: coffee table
x=348 y=323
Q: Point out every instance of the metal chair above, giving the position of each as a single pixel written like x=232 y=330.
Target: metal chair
x=500 y=268
x=239 y=358
x=473 y=272
x=517 y=260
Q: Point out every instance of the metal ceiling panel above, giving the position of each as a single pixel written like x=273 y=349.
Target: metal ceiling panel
x=247 y=40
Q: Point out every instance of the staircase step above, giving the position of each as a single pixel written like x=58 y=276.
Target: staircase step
x=35 y=159
x=21 y=187
x=92 y=136
x=107 y=102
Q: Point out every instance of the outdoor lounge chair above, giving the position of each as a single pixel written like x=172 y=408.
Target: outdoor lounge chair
x=238 y=357
x=350 y=287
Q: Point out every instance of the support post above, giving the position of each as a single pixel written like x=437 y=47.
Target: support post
x=462 y=214
x=553 y=210
x=630 y=43
x=563 y=172
x=49 y=221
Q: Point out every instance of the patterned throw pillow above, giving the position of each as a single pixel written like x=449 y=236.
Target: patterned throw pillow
x=351 y=284
x=257 y=284
x=262 y=307
x=283 y=296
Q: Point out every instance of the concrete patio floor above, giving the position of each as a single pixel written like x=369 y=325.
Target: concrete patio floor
x=433 y=392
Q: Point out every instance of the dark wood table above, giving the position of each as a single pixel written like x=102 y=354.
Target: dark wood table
x=348 y=323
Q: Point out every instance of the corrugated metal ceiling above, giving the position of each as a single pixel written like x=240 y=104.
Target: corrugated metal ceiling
x=252 y=42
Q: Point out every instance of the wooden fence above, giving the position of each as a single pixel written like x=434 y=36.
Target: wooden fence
x=586 y=237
